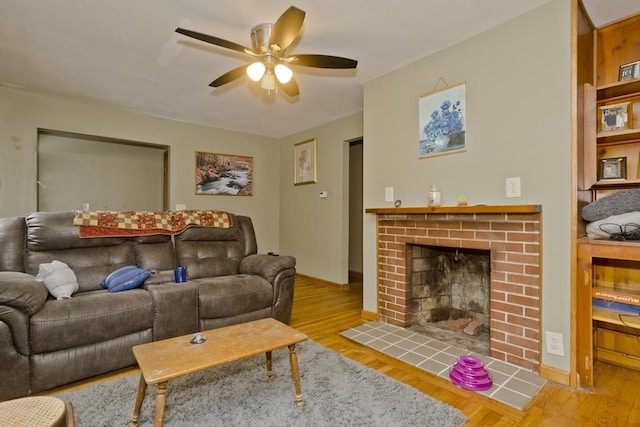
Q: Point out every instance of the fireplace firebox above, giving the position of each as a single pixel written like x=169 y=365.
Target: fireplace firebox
x=450 y=295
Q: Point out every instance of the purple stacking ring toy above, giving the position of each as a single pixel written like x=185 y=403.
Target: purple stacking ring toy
x=469 y=372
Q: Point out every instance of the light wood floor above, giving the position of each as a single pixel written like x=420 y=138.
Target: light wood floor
x=323 y=311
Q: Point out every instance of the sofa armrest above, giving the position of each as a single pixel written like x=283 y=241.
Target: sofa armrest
x=21 y=296
x=22 y=291
x=175 y=309
x=280 y=272
x=266 y=266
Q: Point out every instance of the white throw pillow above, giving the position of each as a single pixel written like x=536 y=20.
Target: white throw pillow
x=615 y=224
x=59 y=279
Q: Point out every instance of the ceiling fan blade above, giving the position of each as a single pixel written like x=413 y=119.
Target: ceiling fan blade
x=323 y=61
x=291 y=88
x=287 y=28
x=213 y=40
x=230 y=76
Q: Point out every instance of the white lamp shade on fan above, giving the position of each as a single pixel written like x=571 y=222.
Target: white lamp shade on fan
x=268 y=81
x=255 y=71
x=283 y=73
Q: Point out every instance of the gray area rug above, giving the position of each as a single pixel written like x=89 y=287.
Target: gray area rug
x=337 y=392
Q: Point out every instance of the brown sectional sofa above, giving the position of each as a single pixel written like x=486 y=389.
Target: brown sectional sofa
x=45 y=342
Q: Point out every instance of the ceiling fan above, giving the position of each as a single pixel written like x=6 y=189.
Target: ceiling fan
x=269 y=44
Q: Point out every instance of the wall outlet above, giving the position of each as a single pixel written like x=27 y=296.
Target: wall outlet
x=388 y=194
x=554 y=343
x=513 y=187
x=181 y=207
x=324 y=194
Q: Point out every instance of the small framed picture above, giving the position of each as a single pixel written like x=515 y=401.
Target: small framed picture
x=613 y=168
x=615 y=117
x=305 y=164
x=629 y=71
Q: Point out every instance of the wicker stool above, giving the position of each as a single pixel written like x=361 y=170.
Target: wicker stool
x=36 y=411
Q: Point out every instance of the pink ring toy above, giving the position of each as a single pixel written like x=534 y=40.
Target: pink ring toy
x=469 y=372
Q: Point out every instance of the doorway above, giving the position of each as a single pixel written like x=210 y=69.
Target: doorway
x=83 y=172
x=355 y=209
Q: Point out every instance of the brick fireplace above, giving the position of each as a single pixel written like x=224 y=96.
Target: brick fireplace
x=511 y=234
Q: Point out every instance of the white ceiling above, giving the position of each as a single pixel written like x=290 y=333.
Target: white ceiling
x=126 y=53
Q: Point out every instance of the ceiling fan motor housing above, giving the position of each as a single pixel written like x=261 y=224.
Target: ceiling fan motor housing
x=260 y=35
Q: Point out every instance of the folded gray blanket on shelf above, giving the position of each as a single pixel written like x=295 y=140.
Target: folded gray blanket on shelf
x=617 y=203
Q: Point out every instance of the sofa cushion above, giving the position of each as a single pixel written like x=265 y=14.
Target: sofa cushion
x=12 y=238
x=52 y=236
x=90 y=265
x=209 y=259
x=232 y=295
x=88 y=318
x=212 y=252
x=50 y=231
x=154 y=253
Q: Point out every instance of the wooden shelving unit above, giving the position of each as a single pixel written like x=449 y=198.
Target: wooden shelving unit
x=599 y=261
x=605 y=267
x=611 y=144
x=618 y=90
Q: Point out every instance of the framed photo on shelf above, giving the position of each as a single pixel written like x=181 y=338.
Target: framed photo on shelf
x=304 y=162
x=613 y=168
x=629 y=71
x=615 y=117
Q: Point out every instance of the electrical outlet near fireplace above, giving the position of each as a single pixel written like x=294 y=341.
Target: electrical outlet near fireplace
x=554 y=343
x=513 y=187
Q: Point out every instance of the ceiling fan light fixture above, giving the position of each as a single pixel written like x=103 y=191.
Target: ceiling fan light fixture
x=283 y=73
x=268 y=81
x=256 y=70
x=270 y=43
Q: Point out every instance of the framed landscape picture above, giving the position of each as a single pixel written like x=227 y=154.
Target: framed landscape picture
x=223 y=174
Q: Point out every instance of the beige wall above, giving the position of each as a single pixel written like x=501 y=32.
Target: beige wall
x=518 y=101
x=316 y=230
x=519 y=117
x=22 y=113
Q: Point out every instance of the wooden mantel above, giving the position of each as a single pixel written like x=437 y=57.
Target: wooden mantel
x=477 y=209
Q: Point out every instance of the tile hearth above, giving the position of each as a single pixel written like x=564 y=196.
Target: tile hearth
x=512 y=385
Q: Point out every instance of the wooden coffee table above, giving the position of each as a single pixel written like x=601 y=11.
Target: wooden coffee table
x=172 y=358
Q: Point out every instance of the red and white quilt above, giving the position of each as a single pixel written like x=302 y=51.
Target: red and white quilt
x=143 y=223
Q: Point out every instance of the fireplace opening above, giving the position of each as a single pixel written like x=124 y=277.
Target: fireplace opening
x=450 y=295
